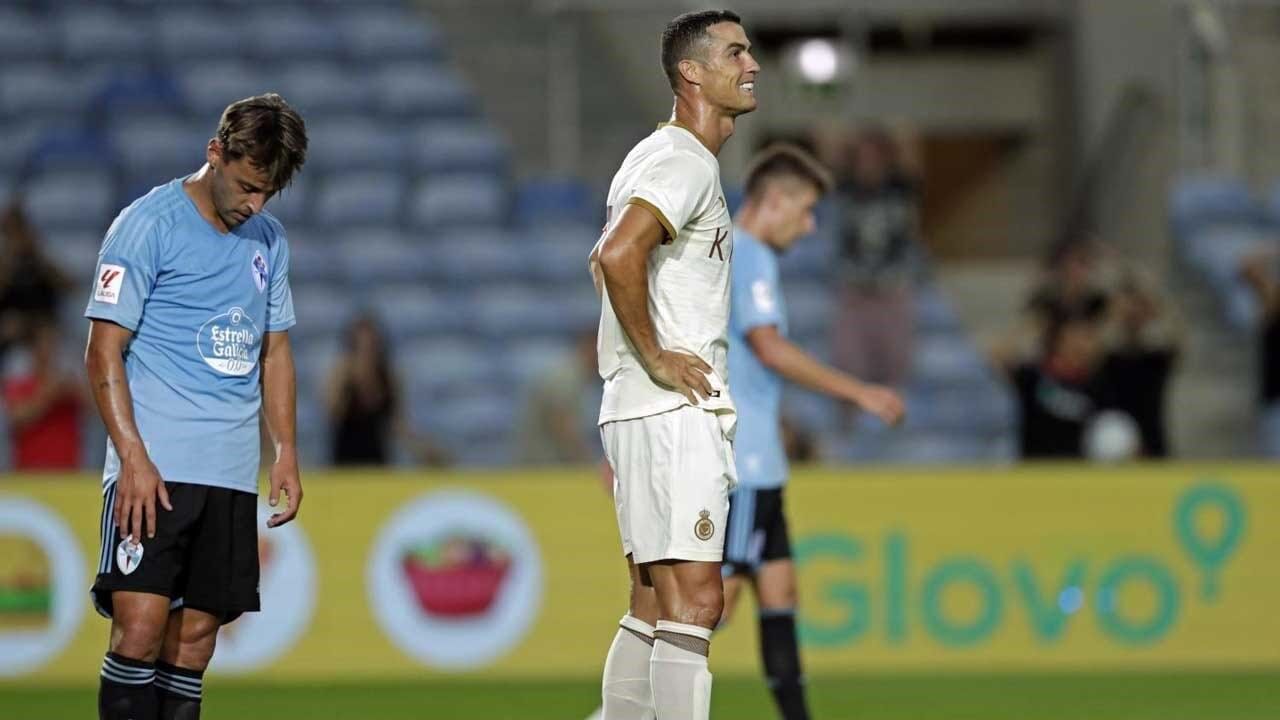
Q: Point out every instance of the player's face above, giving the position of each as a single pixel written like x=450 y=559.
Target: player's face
x=792 y=205
x=239 y=189
x=730 y=78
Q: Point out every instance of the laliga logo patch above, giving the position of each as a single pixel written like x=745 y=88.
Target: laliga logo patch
x=128 y=555
x=259 y=268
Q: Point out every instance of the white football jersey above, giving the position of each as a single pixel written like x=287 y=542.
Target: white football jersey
x=673 y=175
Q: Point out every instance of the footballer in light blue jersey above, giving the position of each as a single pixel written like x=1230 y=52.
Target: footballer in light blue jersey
x=782 y=188
x=198 y=302
x=188 y=343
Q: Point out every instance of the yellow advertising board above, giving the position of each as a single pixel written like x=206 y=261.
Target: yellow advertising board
x=395 y=575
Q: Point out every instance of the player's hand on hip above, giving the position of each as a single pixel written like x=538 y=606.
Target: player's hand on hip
x=284 y=476
x=138 y=487
x=683 y=372
x=882 y=402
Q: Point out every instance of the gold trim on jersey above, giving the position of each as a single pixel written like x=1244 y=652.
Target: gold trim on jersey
x=666 y=224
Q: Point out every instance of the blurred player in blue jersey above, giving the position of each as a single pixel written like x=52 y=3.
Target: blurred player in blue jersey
x=783 y=186
x=188 y=341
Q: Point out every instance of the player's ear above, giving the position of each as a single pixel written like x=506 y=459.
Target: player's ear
x=691 y=71
x=213 y=151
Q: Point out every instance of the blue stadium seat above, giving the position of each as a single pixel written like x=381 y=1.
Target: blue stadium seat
x=372 y=255
x=555 y=261
x=415 y=310
x=39 y=90
x=156 y=148
x=470 y=256
x=96 y=33
x=292 y=205
x=132 y=92
x=358 y=197
x=946 y=358
x=66 y=200
x=211 y=86
x=312 y=256
x=25 y=35
x=20 y=137
x=380 y=33
x=1201 y=200
x=190 y=31
x=550 y=200
x=457 y=145
x=287 y=32
x=322 y=308
x=439 y=365
x=323 y=87
x=458 y=199
x=353 y=143
x=933 y=312
x=524 y=359
x=419 y=89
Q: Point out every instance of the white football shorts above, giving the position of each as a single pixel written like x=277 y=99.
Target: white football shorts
x=672 y=473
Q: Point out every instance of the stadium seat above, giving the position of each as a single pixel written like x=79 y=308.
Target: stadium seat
x=322 y=87
x=133 y=92
x=96 y=33
x=322 y=308
x=456 y=145
x=439 y=365
x=946 y=358
x=75 y=252
x=293 y=204
x=933 y=312
x=210 y=87
x=809 y=307
x=458 y=199
x=156 y=148
x=1201 y=200
x=288 y=32
x=554 y=200
x=555 y=261
x=25 y=35
x=414 y=310
x=358 y=197
x=468 y=256
x=312 y=256
x=67 y=200
x=419 y=89
x=40 y=90
x=353 y=143
x=372 y=33
x=187 y=31
x=372 y=255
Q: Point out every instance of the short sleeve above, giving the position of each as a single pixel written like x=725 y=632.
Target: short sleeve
x=673 y=187
x=754 y=293
x=280 y=297
x=127 y=268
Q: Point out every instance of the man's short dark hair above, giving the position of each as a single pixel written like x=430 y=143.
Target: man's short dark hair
x=786 y=160
x=684 y=35
x=267 y=131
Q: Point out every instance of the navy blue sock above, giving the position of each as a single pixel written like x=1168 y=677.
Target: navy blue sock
x=125 y=690
x=781 y=654
x=178 y=691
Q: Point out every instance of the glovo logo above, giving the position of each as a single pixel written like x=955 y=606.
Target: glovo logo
x=1209 y=523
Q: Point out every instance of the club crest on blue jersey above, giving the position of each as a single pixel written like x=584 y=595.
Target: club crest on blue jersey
x=259 y=271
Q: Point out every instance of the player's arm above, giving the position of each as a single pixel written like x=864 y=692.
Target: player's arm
x=791 y=362
x=624 y=261
x=139 y=483
x=279 y=406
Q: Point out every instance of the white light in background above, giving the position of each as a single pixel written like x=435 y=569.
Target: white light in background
x=819 y=61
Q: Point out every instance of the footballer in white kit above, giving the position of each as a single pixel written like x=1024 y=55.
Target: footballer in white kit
x=666 y=418
x=672 y=460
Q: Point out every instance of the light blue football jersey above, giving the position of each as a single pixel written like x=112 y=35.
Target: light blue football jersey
x=756 y=301
x=198 y=302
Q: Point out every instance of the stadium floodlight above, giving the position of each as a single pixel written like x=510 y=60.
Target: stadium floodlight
x=820 y=60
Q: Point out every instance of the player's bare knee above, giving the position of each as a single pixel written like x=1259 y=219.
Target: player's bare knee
x=136 y=638
x=704 y=606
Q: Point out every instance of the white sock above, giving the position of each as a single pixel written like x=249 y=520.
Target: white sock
x=679 y=675
x=625 y=690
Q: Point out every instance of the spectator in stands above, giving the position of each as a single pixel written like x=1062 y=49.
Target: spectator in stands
x=558 y=424
x=878 y=201
x=1142 y=353
x=1072 y=283
x=1261 y=271
x=1061 y=389
x=31 y=287
x=44 y=403
x=366 y=405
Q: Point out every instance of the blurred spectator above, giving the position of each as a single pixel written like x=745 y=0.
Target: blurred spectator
x=558 y=424
x=878 y=201
x=1262 y=273
x=365 y=403
x=1071 y=284
x=44 y=403
x=30 y=285
x=1060 y=391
